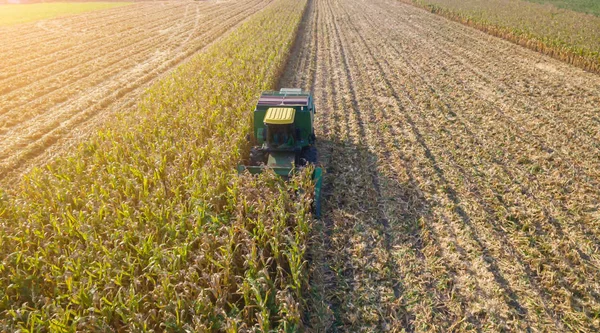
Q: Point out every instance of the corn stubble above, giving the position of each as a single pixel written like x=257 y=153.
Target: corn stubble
x=145 y=227
x=462 y=186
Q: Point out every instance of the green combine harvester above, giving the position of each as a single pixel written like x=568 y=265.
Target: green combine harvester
x=283 y=130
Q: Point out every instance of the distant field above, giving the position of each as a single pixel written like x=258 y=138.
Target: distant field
x=565 y=34
x=584 y=6
x=15 y=14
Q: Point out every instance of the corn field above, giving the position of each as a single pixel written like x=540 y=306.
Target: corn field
x=145 y=227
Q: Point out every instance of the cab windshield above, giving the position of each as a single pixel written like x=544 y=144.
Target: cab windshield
x=280 y=136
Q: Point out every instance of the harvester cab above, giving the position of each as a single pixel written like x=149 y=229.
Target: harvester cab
x=285 y=137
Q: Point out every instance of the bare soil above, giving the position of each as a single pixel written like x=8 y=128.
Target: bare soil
x=463 y=176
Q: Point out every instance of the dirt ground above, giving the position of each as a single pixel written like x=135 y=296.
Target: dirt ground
x=462 y=186
x=61 y=78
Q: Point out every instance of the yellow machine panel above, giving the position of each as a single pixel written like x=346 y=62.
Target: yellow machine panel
x=280 y=116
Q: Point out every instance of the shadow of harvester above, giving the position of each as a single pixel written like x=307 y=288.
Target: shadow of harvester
x=364 y=214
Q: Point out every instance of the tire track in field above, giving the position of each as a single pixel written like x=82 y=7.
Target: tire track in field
x=49 y=139
x=81 y=23
x=48 y=66
x=99 y=36
x=26 y=51
x=61 y=69
x=52 y=88
x=38 y=29
x=56 y=93
x=452 y=202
